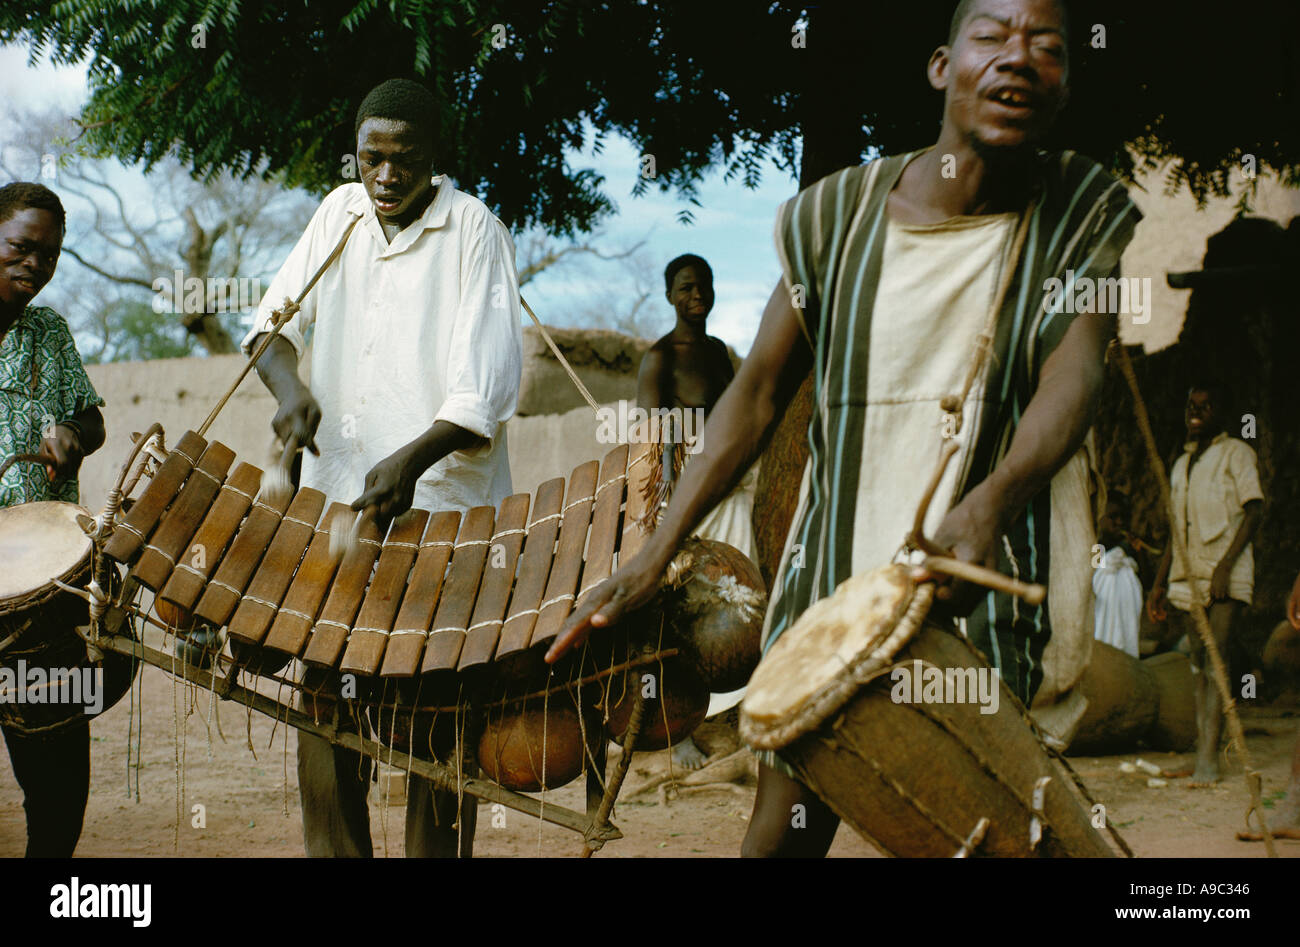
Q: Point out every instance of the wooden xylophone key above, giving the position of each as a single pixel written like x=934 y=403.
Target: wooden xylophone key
x=563 y=584
x=534 y=570
x=365 y=649
x=442 y=650
x=411 y=628
x=144 y=514
x=332 y=628
x=177 y=527
x=498 y=578
x=258 y=606
x=191 y=575
x=222 y=594
x=639 y=475
x=597 y=565
x=310 y=584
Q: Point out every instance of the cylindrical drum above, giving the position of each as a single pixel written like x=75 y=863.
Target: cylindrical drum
x=47 y=680
x=908 y=735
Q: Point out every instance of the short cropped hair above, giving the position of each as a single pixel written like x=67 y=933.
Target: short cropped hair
x=1220 y=396
x=680 y=263
x=963 y=12
x=402 y=100
x=23 y=194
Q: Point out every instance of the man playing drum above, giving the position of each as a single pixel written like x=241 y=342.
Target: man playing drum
x=890 y=274
x=49 y=408
x=416 y=363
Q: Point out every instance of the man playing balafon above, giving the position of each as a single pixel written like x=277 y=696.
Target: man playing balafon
x=895 y=264
x=415 y=368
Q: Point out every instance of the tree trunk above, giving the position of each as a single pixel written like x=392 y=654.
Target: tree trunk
x=197 y=253
x=833 y=138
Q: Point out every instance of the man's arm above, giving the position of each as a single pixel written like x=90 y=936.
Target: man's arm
x=298 y=414
x=739 y=428
x=1219 y=581
x=390 y=484
x=71 y=441
x=651 y=381
x=1052 y=429
x=1156 y=607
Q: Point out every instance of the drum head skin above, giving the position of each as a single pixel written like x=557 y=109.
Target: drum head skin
x=836 y=645
x=38 y=542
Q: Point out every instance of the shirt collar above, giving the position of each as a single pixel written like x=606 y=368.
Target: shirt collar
x=1190 y=446
x=434 y=216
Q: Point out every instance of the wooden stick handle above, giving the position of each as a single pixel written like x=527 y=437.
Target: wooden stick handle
x=291 y=447
x=989 y=578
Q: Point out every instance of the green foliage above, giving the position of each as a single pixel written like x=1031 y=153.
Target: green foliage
x=695 y=84
x=134 y=332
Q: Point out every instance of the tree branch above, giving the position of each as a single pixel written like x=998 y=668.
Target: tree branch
x=128 y=280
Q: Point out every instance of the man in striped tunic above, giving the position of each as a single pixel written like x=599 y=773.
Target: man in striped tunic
x=890 y=273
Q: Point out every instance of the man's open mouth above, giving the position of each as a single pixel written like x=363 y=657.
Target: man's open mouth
x=388 y=204
x=1012 y=98
x=24 y=283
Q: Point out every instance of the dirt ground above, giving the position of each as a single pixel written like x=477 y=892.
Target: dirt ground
x=250 y=797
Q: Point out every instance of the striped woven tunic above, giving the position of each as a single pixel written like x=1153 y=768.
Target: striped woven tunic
x=831 y=241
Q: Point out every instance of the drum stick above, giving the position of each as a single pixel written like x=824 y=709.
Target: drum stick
x=989 y=578
x=277 y=484
x=345 y=535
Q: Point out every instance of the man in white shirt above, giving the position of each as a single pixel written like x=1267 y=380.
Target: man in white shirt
x=416 y=362
x=1218 y=504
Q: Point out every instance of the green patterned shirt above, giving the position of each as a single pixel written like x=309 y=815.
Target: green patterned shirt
x=42 y=383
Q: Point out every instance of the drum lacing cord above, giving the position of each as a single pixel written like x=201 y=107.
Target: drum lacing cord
x=97 y=599
x=983 y=763
x=1029 y=721
x=546 y=707
x=923 y=810
x=1219 y=670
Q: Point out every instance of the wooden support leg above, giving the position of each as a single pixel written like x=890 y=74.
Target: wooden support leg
x=595 y=836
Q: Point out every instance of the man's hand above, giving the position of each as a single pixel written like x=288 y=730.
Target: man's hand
x=63 y=453
x=390 y=487
x=971 y=530
x=1157 y=604
x=298 y=417
x=626 y=590
x=1219 y=582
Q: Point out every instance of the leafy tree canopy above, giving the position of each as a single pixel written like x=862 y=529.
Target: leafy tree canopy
x=731 y=83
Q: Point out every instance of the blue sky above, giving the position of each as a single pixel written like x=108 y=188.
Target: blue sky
x=732 y=229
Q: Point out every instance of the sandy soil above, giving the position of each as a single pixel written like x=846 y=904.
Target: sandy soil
x=250 y=796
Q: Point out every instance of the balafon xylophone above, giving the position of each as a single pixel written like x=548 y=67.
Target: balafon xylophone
x=447 y=612
x=440 y=592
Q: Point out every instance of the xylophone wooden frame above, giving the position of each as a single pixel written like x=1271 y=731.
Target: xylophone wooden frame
x=602 y=790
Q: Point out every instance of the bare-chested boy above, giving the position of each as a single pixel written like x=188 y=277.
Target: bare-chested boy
x=689 y=369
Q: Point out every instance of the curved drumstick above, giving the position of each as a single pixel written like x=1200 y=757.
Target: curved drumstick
x=939 y=559
x=917 y=537
x=22 y=459
x=1031 y=592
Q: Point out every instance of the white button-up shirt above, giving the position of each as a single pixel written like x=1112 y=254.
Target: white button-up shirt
x=422 y=329
x=1208 y=509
